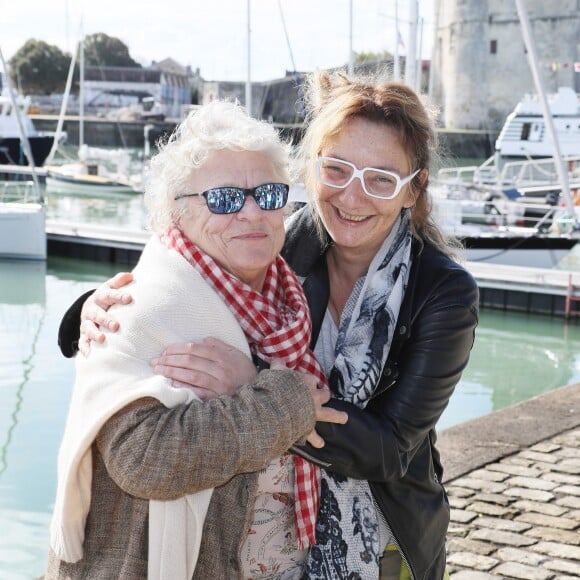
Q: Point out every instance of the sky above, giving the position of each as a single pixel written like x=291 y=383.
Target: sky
x=211 y=35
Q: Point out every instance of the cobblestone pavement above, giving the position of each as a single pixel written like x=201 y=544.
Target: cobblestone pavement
x=519 y=517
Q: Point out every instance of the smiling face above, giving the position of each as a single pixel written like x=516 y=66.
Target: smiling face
x=355 y=221
x=243 y=243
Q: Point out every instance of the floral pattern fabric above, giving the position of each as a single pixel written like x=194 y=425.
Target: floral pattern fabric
x=270 y=550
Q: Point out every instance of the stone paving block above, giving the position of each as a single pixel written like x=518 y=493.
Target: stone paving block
x=568 y=439
x=532 y=483
x=545 y=447
x=495 y=498
x=574 y=515
x=457 y=530
x=550 y=509
x=515 y=469
x=501 y=524
x=569 y=502
x=562 y=477
x=555 y=535
x=489 y=474
x=466 y=545
x=462 y=516
x=517 y=461
x=460 y=503
x=557 y=550
x=460 y=491
x=490 y=509
x=520 y=556
x=543 y=520
x=480 y=484
x=557 y=467
x=565 y=566
x=501 y=537
x=570 y=466
x=568 y=490
x=474 y=561
x=532 y=494
x=471 y=575
x=538 y=457
x=569 y=452
x=515 y=570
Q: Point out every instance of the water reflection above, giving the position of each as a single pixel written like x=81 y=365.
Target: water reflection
x=515 y=357
x=112 y=209
x=22 y=315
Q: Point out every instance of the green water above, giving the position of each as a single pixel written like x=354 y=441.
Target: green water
x=515 y=357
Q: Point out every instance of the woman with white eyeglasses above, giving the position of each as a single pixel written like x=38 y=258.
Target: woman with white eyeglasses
x=394 y=317
x=169 y=481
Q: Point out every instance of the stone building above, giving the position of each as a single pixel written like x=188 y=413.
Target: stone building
x=480 y=68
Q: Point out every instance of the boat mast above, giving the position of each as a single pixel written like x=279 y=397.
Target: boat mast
x=350 y=51
x=82 y=89
x=533 y=62
x=63 y=106
x=23 y=136
x=249 y=65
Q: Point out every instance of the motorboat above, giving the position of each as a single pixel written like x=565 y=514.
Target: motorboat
x=11 y=149
x=524 y=133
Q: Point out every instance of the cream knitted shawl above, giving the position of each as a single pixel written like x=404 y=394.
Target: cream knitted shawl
x=171 y=303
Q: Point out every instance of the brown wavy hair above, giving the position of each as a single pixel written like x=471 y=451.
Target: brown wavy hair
x=332 y=99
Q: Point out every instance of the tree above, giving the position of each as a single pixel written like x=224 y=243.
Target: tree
x=361 y=57
x=38 y=67
x=104 y=50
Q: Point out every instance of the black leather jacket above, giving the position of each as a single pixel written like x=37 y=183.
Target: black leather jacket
x=391 y=443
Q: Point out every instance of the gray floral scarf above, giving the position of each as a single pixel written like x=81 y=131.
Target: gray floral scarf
x=347 y=529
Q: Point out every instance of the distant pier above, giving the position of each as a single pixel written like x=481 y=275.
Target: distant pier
x=532 y=290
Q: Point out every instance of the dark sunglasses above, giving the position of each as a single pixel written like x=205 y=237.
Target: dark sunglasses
x=224 y=200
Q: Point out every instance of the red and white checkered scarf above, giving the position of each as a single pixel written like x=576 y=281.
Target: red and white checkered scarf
x=277 y=324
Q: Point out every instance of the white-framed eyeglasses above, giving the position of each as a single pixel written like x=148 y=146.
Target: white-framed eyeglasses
x=375 y=182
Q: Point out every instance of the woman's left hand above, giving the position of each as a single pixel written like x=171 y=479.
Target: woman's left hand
x=211 y=367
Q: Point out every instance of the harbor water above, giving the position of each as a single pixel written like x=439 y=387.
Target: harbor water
x=515 y=358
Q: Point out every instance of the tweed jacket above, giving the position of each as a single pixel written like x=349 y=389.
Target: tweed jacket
x=392 y=442
x=147 y=451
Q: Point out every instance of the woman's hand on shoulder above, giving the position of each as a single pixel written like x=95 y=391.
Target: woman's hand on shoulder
x=211 y=367
x=94 y=314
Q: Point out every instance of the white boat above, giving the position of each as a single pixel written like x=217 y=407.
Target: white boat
x=97 y=171
x=11 y=148
x=524 y=133
x=22 y=222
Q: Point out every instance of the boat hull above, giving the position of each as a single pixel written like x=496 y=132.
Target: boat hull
x=85 y=185
x=23 y=231
x=11 y=152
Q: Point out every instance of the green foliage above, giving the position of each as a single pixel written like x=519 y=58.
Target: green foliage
x=39 y=68
x=104 y=50
x=360 y=57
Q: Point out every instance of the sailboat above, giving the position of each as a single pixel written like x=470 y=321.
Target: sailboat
x=97 y=170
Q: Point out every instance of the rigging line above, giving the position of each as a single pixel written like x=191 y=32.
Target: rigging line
x=286 y=34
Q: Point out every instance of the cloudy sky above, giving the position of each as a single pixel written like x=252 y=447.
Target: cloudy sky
x=212 y=34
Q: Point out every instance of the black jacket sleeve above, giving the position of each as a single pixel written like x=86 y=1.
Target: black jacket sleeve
x=69 y=330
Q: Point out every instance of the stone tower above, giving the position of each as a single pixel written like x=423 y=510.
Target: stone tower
x=480 y=66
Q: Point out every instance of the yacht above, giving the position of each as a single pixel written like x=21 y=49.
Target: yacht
x=525 y=135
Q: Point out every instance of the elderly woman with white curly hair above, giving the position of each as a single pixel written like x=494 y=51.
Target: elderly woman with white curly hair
x=161 y=480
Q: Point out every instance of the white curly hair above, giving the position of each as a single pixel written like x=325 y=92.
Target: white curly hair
x=215 y=126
